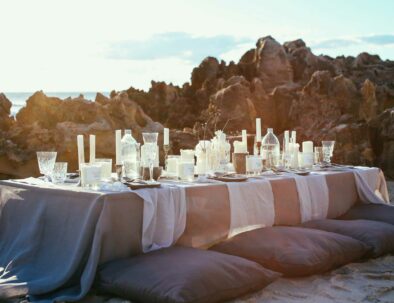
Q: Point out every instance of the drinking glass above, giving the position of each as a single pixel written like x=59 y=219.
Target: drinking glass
x=59 y=172
x=150 y=143
x=318 y=155
x=46 y=163
x=254 y=164
x=328 y=150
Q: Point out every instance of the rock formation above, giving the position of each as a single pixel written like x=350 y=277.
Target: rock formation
x=347 y=99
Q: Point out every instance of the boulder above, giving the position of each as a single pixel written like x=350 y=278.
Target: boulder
x=272 y=64
x=6 y=120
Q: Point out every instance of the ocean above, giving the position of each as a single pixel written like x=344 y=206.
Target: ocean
x=19 y=99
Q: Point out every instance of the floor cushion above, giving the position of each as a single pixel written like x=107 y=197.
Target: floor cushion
x=182 y=274
x=375 y=212
x=378 y=235
x=294 y=251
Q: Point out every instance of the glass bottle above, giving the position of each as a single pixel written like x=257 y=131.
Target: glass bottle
x=130 y=151
x=270 y=149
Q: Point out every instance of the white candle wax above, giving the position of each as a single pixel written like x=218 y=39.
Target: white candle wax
x=118 y=135
x=294 y=147
x=166 y=136
x=307 y=147
x=92 y=148
x=172 y=165
x=286 y=141
x=81 y=151
x=239 y=147
x=258 y=130
x=106 y=169
x=307 y=159
x=90 y=174
x=186 y=171
x=294 y=136
x=244 y=137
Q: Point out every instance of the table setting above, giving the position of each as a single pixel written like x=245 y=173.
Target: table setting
x=130 y=205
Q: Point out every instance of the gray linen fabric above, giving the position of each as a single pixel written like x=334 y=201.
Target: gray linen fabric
x=51 y=240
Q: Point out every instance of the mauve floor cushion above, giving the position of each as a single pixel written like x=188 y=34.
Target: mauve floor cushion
x=375 y=212
x=294 y=251
x=378 y=235
x=182 y=274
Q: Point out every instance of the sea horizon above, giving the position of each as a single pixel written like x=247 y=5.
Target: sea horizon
x=18 y=99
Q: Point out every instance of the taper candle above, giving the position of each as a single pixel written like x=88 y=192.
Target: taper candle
x=81 y=151
x=166 y=140
x=92 y=148
x=244 y=137
x=294 y=136
x=258 y=130
x=118 y=136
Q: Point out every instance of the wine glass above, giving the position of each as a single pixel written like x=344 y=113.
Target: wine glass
x=46 y=163
x=150 y=143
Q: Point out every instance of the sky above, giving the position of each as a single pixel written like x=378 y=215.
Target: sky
x=100 y=45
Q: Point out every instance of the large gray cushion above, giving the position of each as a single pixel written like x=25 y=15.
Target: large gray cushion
x=375 y=212
x=378 y=235
x=181 y=274
x=294 y=251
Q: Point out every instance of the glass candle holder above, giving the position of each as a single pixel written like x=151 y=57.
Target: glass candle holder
x=254 y=165
x=90 y=175
x=59 y=173
x=318 y=155
x=172 y=165
x=328 y=150
x=106 y=168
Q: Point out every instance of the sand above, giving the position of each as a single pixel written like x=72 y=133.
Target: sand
x=371 y=281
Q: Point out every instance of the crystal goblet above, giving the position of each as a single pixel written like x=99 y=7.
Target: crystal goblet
x=46 y=163
x=150 y=143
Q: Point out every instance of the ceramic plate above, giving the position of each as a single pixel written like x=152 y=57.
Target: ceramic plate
x=139 y=185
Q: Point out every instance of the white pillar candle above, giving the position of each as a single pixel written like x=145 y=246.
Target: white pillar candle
x=166 y=136
x=307 y=147
x=90 y=175
x=92 y=148
x=81 y=151
x=244 y=137
x=239 y=147
x=118 y=137
x=258 y=130
x=172 y=164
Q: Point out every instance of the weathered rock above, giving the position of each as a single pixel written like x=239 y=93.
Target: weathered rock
x=47 y=123
x=6 y=120
x=346 y=99
x=369 y=105
x=382 y=140
x=272 y=64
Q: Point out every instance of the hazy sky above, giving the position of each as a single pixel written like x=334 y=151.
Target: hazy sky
x=94 y=45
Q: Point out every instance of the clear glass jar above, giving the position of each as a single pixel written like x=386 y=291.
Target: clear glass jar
x=270 y=149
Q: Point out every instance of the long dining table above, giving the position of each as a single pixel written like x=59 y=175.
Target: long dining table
x=54 y=237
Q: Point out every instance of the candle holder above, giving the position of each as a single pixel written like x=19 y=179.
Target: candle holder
x=166 y=149
x=119 y=172
x=258 y=148
x=79 y=184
